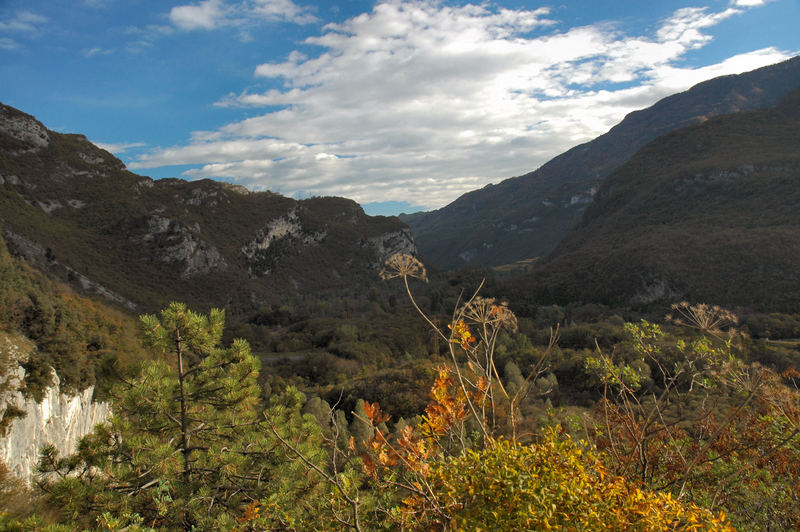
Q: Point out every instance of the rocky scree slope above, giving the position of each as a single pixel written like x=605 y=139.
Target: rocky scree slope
x=74 y=210
x=706 y=213
x=526 y=217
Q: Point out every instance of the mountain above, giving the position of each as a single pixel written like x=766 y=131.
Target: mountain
x=74 y=210
x=706 y=213
x=526 y=217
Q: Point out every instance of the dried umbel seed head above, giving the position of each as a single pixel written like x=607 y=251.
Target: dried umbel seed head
x=403 y=265
x=488 y=311
x=705 y=318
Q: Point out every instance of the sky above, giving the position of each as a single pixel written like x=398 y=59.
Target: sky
x=401 y=105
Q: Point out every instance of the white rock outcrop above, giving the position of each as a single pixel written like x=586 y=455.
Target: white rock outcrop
x=393 y=242
x=285 y=227
x=25 y=129
x=185 y=246
x=59 y=419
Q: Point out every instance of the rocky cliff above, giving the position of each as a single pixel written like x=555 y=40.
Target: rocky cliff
x=58 y=419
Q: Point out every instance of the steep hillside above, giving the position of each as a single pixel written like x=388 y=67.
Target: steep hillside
x=706 y=213
x=525 y=217
x=74 y=209
x=83 y=340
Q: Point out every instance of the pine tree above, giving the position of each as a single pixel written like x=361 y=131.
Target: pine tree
x=186 y=447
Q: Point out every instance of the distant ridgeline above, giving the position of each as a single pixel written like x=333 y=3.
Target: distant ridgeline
x=706 y=213
x=526 y=217
x=74 y=210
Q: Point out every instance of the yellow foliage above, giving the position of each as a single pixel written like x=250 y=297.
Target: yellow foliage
x=551 y=485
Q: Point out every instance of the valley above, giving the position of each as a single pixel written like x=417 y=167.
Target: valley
x=282 y=364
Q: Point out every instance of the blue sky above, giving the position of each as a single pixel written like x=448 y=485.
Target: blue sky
x=400 y=105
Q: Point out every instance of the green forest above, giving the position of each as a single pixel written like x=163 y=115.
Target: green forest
x=433 y=402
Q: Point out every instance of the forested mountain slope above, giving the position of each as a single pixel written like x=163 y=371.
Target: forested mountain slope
x=706 y=213
x=527 y=216
x=73 y=209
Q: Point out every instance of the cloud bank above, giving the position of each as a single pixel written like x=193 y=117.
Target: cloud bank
x=420 y=102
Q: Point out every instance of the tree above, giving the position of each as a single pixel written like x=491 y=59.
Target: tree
x=688 y=416
x=185 y=447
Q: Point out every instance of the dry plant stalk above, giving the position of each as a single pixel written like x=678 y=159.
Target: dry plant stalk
x=708 y=319
x=471 y=337
x=464 y=391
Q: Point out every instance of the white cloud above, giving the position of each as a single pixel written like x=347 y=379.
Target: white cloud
x=205 y=15
x=281 y=10
x=421 y=101
x=145 y=37
x=7 y=43
x=97 y=50
x=213 y=14
x=23 y=22
x=119 y=147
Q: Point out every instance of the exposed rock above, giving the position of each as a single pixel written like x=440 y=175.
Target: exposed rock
x=91 y=159
x=468 y=255
x=59 y=419
x=199 y=195
x=257 y=251
x=391 y=243
x=24 y=246
x=50 y=205
x=141 y=186
x=184 y=246
x=239 y=189
x=10 y=179
x=157 y=225
x=702 y=179
x=26 y=129
x=92 y=287
x=583 y=198
x=655 y=290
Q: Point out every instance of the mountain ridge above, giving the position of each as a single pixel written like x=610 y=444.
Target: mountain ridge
x=710 y=212
x=526 y=216
x=77 y=212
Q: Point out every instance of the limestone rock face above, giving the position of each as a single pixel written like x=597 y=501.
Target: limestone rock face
x=59 y=419
x=391 y=243
x=257 y=252
x=180 y=244
x=25 y=129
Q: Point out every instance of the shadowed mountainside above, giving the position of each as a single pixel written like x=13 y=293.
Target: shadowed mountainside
x=527 y=216
x=74 y=210
x=706 y=213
